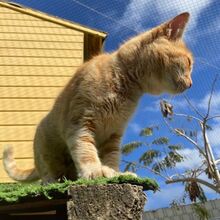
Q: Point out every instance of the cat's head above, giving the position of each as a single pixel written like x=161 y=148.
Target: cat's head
x=173 y=59
x=161 y=56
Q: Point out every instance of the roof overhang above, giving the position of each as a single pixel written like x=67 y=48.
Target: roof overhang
x=54 y=19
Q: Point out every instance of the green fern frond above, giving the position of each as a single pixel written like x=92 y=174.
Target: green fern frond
x=161 y=141
x=128 y=148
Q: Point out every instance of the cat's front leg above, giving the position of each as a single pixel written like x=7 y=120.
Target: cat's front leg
x=82 y=147
x=110 y=154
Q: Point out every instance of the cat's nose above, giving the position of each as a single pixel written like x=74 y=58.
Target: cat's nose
x=190 y=84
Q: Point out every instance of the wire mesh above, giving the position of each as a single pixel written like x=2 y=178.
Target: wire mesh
x=24 y=89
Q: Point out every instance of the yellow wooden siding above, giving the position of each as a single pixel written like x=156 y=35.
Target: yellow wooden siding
x=41 y=45
x=11 y=52
x=20 y=118
x=37 y=71
x=13 y=15
x=38 y=56
x=29 y=92
x=31 y=81
x=6 y=10
x=32 y=30
x=25 y=105
x=42 y=37
x=17 y=133
x=48 y=18
x=37 y=59
x=22 y=149
x=31 y=23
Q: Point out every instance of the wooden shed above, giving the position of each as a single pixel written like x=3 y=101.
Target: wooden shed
x=39 y=53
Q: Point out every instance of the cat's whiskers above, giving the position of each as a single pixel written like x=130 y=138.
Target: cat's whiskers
x=201 y=60
x=172 y=96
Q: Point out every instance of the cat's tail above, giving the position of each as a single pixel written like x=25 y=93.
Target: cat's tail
x=13 y=171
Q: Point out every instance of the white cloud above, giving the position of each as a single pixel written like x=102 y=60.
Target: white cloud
x=178 y=103
x=135 y=13
x=192 y=159
x=215 y=103
x=135 y=127
x=214 y=138
x=213 y=134
x=165 y=196
x=194 y=7
x=152 y=107
x=138 y=12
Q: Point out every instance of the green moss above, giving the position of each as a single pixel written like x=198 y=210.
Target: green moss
x=16 y=192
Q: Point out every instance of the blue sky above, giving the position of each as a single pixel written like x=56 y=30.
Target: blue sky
x=123 y=19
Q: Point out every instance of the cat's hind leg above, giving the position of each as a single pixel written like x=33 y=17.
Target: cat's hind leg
x=49 y=154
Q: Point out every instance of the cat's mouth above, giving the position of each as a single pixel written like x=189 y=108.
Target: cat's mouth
x=182 y=84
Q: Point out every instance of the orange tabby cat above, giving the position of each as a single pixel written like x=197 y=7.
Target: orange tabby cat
x=80 y=136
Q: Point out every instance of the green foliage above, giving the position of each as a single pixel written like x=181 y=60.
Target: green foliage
x=15 y=192
x=168 y=162
x=128 y=148
x=195 y=191
x=167 y=155
x=175 y=147
x=132 y=166
x=146 y=132
x=148 y=157
x=208 y=127
x=161 y=141
x=201 y=211
x=156 y=159
x=179 y=131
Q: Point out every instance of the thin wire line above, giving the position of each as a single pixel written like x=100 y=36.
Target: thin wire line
x=204 y=61
x=136 y=31
x=200 y=59
x=104 y=15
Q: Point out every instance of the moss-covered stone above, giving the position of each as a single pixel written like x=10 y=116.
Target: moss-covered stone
x=15 y=192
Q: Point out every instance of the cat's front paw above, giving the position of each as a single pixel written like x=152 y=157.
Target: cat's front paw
x=93 y=172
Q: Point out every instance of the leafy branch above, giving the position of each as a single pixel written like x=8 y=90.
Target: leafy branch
x=161 y=156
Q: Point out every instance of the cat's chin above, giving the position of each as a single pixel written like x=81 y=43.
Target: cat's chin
x=176 y=90
x=178 y=87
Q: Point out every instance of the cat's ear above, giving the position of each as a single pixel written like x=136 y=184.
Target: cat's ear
x=175 y=27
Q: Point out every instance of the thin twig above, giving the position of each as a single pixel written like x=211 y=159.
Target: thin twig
x=213 y=117
x=217 y=161
x=145 y=167
x=190 y=140
x=176 y=131
x=191 y=179
x=203 y=127
x=210 y=154
x=210 y=97
x=192 y=106
x=188 y=116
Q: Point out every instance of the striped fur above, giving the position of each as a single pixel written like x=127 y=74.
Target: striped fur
x=13 y=171
x=80 y=136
